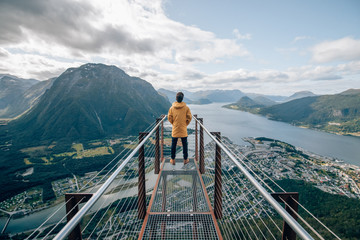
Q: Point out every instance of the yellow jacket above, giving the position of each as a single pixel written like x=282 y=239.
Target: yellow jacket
x=179 y=116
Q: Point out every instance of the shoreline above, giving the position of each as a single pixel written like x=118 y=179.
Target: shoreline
x=355 y=134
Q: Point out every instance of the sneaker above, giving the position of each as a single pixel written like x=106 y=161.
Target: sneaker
x=172 y=161
x=186 y=161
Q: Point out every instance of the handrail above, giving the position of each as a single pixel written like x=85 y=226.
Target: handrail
x=65 y=231
x=279 y=209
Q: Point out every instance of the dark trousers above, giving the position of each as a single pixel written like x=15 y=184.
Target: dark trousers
x=184 y=144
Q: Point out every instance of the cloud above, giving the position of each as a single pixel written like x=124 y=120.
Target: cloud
x=67 y=23
x=3 y=53
x=271 y=80
x=40 y=39
x=300 y=38
x=34 y=66
x=130 y=34
x=239 y=36
x=347 y=49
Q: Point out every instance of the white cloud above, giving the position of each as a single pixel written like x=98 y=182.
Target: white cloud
x=237 y=34
x=130 y=34
x=300 y=38
x=34 y=66
x=272 y=81
x=40 y=39
x=342 y=49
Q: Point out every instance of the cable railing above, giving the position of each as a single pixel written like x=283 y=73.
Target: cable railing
x=75 y=220
x=278 y=208
x=241 y=194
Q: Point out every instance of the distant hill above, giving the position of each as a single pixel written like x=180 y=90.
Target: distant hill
x=274 y=98
x=13 y=91
x=250 y=105
x=205 y=97
x=90 y=102
x=171 y=95
x=298 y=95
x=220 y=95
x=339 y=113
x=351 y=92
x=202 y=101
x=335 y=113
x=264 y=101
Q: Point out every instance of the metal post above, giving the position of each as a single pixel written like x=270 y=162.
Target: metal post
x=288 y=198
x=72 y=207
x=300 y=231
x=218 y=180
x=162 y=139
x=157 y=148
x=65 y=231
x=141 y=185
x=196 y=140
x=201 y=162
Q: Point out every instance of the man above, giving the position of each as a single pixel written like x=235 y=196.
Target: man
x=180 y=117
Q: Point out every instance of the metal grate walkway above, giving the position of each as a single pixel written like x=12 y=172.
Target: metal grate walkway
x=179 y=207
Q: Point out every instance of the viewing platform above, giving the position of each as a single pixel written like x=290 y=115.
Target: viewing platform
x=180 y=205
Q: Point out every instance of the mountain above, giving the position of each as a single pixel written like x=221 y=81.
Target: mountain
x=351 y=92
x=12 y=90
x=27 y=99
x=205 y=97
x=334 y=113
x=264 y=101
x=300 y=94
x=201 y=101
x=220 y=95
x=274 y=98
x=90 y=102
x=171 y=95
x=245 y=104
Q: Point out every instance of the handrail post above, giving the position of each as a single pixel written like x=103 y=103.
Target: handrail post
x=162 y=139
x=157 y=148
x=141 y=180
x=196 y=140
x=72 y=207
x=291 y=199
x=218 y=180
x=300 y=231
x=65 y=231
x=201 y=161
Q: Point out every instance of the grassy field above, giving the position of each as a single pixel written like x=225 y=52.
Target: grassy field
x=27 y=161
x=100 y=151
x=35 y=151
x=78 y=147
x=96 y=143
x=130 y=146
x=44 y=155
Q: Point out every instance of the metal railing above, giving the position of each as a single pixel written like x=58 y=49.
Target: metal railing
x=67 y=229
x=302 y=233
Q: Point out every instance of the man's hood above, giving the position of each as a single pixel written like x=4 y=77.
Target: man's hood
x=179 y=105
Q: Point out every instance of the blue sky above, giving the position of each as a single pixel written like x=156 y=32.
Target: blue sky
x=281 y=31
x=270 y=47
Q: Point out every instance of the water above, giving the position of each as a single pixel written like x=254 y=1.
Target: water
x=237 y=124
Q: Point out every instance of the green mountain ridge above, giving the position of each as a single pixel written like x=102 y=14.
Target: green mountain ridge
x=339 y=113
x=90 y=102
x=17 y=94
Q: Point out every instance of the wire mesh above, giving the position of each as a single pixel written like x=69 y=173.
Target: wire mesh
x=180 y=226
x=179 y=189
